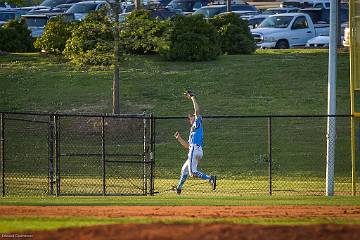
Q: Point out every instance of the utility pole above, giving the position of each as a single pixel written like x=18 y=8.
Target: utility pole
x=339 y=13
x=331 y=121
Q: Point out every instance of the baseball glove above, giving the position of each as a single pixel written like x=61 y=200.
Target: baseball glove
x=189 y=93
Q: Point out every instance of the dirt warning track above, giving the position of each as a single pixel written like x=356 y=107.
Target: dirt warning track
x=183 y=211
x=201 y=231
x=196 y=231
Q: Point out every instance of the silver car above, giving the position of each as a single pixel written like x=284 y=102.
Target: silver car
x=82 y=9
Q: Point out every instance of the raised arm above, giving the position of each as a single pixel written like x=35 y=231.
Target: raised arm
x=196 y=106
x=192 y=96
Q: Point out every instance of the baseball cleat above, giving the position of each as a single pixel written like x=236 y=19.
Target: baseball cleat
x=213 y=182
x=175 y=189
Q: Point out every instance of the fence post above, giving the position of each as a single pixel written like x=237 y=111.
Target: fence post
x=2 y=153
x=57 y=153
x=103 y=153
x=151 y=130
x=51 y=154
x=270 y=153
x=144 y=156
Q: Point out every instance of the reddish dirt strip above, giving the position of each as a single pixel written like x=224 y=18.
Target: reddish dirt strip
x=160 y=231
x=183 y=211
x=197 y=231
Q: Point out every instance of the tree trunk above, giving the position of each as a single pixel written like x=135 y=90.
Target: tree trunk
x=116 y=77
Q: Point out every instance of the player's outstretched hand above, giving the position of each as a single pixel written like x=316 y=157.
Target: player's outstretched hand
x=177 y=135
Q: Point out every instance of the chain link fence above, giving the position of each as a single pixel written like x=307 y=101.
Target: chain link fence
x=63 y=154
x=257 y=155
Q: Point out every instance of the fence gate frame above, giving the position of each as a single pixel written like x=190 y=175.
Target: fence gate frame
x=56 y=153
x=3 y=117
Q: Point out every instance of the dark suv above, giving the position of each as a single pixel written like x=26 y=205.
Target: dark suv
x=213 y=10
x=187 y=6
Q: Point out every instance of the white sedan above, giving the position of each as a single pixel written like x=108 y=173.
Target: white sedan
x=320 y=42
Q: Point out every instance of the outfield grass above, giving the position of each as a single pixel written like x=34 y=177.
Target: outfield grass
x=268 y=82
x=9 y=224
x=174 y=200
x=24 y=224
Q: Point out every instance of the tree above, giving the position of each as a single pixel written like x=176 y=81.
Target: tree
x=18 y=2
x=190 y=38
x=91 y=42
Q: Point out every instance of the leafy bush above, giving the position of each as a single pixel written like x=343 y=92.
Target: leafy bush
x=190 y=38
x=15 y=37
x=140 y=34
x=91 y=42
x=235 y=36
x=57 y=32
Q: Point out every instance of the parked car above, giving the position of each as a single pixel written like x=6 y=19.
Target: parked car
x=161 y=13
x=321 y=5
x=323 y=41
x=296 y=3
x=82 y=9
x=63 y=7
x=318 y=42
x=46 y=5
x=187 y=6
x=164 y=13
x=6 y=6
x=287 y=30
x=36 y=22
x=346 y=40
x=212 y=10
x=7 y=15
x=255 y=21
x=242 y=14
x=272 y=11
x=159 y=3
x=322 y=15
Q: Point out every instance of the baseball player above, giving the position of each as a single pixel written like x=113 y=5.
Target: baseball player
x=194 y=145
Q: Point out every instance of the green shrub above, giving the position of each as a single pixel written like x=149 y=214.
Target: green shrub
x=15 y=37
x=235 y=36
x=190 y=38
x=57 y=32
x=91 y=42
x=140 y=34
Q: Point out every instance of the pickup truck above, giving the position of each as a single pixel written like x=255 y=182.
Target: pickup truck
x=287 y=30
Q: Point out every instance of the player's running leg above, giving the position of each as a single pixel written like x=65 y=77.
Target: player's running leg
x=195 y=156
x=183 y=177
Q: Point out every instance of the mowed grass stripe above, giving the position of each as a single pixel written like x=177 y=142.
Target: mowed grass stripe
x=26 y=224
x=175 y=200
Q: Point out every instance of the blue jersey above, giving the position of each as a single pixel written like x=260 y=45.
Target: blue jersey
x=196 y=132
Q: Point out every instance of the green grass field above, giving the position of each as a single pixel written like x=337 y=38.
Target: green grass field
x=21 y=224
x=268 y=82
x=174 y=200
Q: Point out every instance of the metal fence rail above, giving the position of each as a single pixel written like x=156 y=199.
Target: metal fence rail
x=102 y=154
